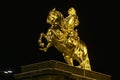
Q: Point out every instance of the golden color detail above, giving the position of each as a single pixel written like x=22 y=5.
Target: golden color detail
x=64 y=37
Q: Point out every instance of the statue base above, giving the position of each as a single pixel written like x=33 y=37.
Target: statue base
x=56 y=70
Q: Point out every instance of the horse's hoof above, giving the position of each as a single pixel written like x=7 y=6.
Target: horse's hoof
x=42 y=45
x=45 y=50
x=78 y=66
x=42 y=49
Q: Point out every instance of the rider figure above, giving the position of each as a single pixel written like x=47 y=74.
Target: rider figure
x=70 y=22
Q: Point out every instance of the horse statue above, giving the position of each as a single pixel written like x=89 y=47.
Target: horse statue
x=65 y=39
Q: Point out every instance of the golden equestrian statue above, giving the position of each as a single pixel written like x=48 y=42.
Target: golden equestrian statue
x=64 y=37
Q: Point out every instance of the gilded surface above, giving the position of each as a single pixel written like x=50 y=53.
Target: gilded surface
x=64 y=37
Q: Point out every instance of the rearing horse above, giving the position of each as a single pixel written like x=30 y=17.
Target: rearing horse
x=70 y=45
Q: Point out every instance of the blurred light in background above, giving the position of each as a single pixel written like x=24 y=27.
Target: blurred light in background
x=8 y=72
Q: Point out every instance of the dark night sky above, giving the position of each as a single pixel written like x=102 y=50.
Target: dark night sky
x=26 y=20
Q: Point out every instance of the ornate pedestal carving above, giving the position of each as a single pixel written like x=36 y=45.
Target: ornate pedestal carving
x=56 y=70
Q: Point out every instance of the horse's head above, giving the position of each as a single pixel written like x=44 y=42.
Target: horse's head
x=55 y=17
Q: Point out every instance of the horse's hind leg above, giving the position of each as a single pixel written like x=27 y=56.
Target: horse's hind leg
x=86 y=63
x=68 y=59
x=78 y=59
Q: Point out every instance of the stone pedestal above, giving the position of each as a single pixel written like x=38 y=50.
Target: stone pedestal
x=56 y=70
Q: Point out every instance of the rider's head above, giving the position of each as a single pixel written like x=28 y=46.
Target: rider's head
x=71 y=11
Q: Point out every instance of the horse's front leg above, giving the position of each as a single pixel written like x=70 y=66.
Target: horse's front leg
x=41 y=44
x=46 y=48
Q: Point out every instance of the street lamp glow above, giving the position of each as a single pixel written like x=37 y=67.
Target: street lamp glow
x=8 y=72
x=5 y=72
